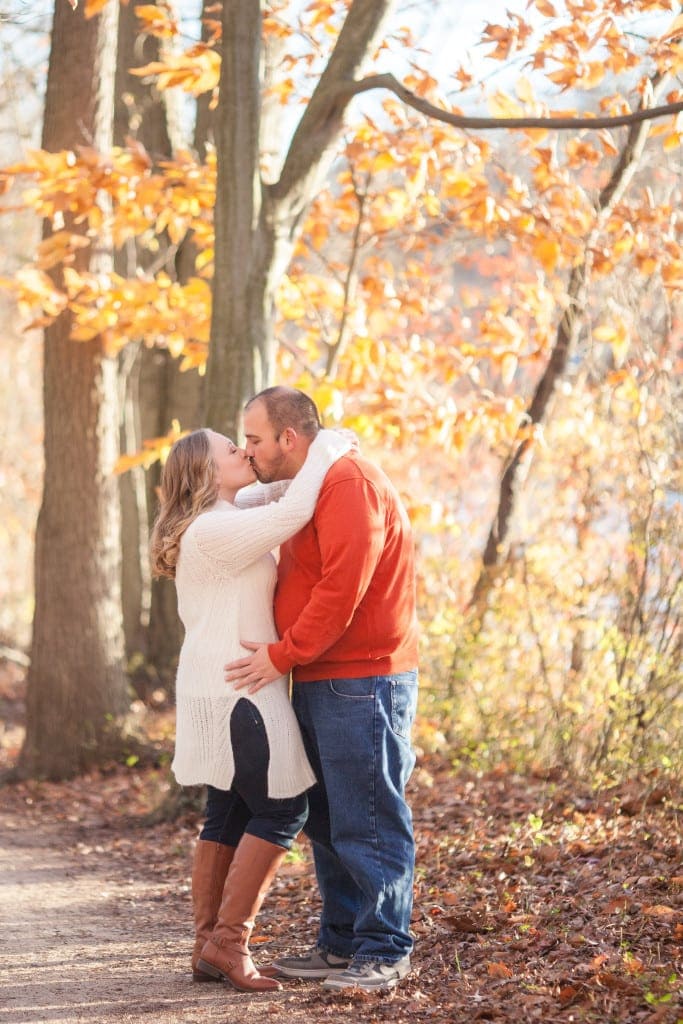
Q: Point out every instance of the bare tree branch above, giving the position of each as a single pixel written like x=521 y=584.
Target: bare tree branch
x=344 y=332
x=312 y=145
x=392 y=84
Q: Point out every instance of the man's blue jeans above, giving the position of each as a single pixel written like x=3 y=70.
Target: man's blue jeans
x=357 y=736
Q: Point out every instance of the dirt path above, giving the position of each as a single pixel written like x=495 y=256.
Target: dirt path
x=83 y=942
x=535 y=902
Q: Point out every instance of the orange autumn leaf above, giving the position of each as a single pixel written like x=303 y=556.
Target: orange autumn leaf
x=546 y=8
x=59 y=247
x=634 y=965
x=659 y=910
x=157 y=20
x=497 y=969
x=672 y=141
x=93 y=7
x=153 y=450
x=547 y=252
x=196 y=71
x=568 y=994
x=323 y=11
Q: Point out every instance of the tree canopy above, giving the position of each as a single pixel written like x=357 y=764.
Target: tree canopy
x=489 y=297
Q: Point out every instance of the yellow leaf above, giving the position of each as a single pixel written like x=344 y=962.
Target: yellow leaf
x=605 y=332
x=508 y=368
x=502 y=105
x=83 y=333
x=431 y=204
x=330 y=401
x=59 y=247
x=617 y=336
x=524 y=90
x=204 y=259
x=318 y=234
x=385 y=161
x=126 y=462
x=282 y=89
x=593 y=74
x=322 y=12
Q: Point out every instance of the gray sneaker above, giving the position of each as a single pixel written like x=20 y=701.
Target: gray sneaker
x=315 y=964
x=370 y=975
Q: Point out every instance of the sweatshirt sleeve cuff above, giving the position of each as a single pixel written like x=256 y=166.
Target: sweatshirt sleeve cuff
x=276 y=653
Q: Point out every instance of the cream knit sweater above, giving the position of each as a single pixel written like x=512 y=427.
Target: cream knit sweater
x=225 y=581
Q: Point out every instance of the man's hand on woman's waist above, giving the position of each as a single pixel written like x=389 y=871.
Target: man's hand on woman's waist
x=253 y=672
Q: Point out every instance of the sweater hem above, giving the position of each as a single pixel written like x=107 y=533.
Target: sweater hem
x=276 y=791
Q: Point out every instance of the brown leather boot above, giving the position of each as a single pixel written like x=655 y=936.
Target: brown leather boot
x=226 y=954
x=209 y=871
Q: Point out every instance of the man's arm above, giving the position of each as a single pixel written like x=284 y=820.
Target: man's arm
x=349 y=521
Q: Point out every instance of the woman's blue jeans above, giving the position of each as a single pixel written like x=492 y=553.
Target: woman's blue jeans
x=246 y=806
x=357 y=736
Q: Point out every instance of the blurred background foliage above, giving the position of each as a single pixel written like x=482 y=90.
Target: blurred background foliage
x=423 y=305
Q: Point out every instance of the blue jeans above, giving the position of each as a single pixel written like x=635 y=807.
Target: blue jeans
x=357 y=736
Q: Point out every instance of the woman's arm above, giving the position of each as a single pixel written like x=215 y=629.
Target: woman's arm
x=233 y=538
x=256 y=495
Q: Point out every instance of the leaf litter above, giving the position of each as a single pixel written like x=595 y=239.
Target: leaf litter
x=536 y=899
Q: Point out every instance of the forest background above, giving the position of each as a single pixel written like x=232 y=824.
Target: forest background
x=460 y=236
x=459 y=229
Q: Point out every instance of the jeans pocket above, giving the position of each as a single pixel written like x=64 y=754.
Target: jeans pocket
x=353 y=689
x=403 y=706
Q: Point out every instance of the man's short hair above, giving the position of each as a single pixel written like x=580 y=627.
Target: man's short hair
x=288 y=407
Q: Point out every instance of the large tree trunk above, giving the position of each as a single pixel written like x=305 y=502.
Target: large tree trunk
x=257 y=223
x=236 y=367
x=77 y=690
x=154 y=392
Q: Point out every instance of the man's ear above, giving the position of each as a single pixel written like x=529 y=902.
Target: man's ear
x=288 y=439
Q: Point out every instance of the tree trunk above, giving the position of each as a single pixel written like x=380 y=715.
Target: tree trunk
x=142 y=113
x=256 y=224
x=77 y=690
x=153 y=391
x=236 y=366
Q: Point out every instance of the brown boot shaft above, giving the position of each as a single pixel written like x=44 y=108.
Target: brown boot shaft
x=226 y=954
x=209 y=871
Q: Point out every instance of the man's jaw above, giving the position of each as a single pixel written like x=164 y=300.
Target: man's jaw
x=263 y=479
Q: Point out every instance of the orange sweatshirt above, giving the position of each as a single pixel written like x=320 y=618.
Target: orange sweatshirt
x=345 y=597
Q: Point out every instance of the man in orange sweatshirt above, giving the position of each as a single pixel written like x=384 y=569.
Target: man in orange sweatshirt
x=345 y=612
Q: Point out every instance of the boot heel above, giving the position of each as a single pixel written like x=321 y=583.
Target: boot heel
x=214 y=974
x=198 y=976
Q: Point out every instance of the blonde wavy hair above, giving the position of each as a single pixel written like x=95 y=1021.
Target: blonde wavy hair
x=188 y=487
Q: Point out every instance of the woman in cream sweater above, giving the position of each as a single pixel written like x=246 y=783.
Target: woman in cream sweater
x=246 y=749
